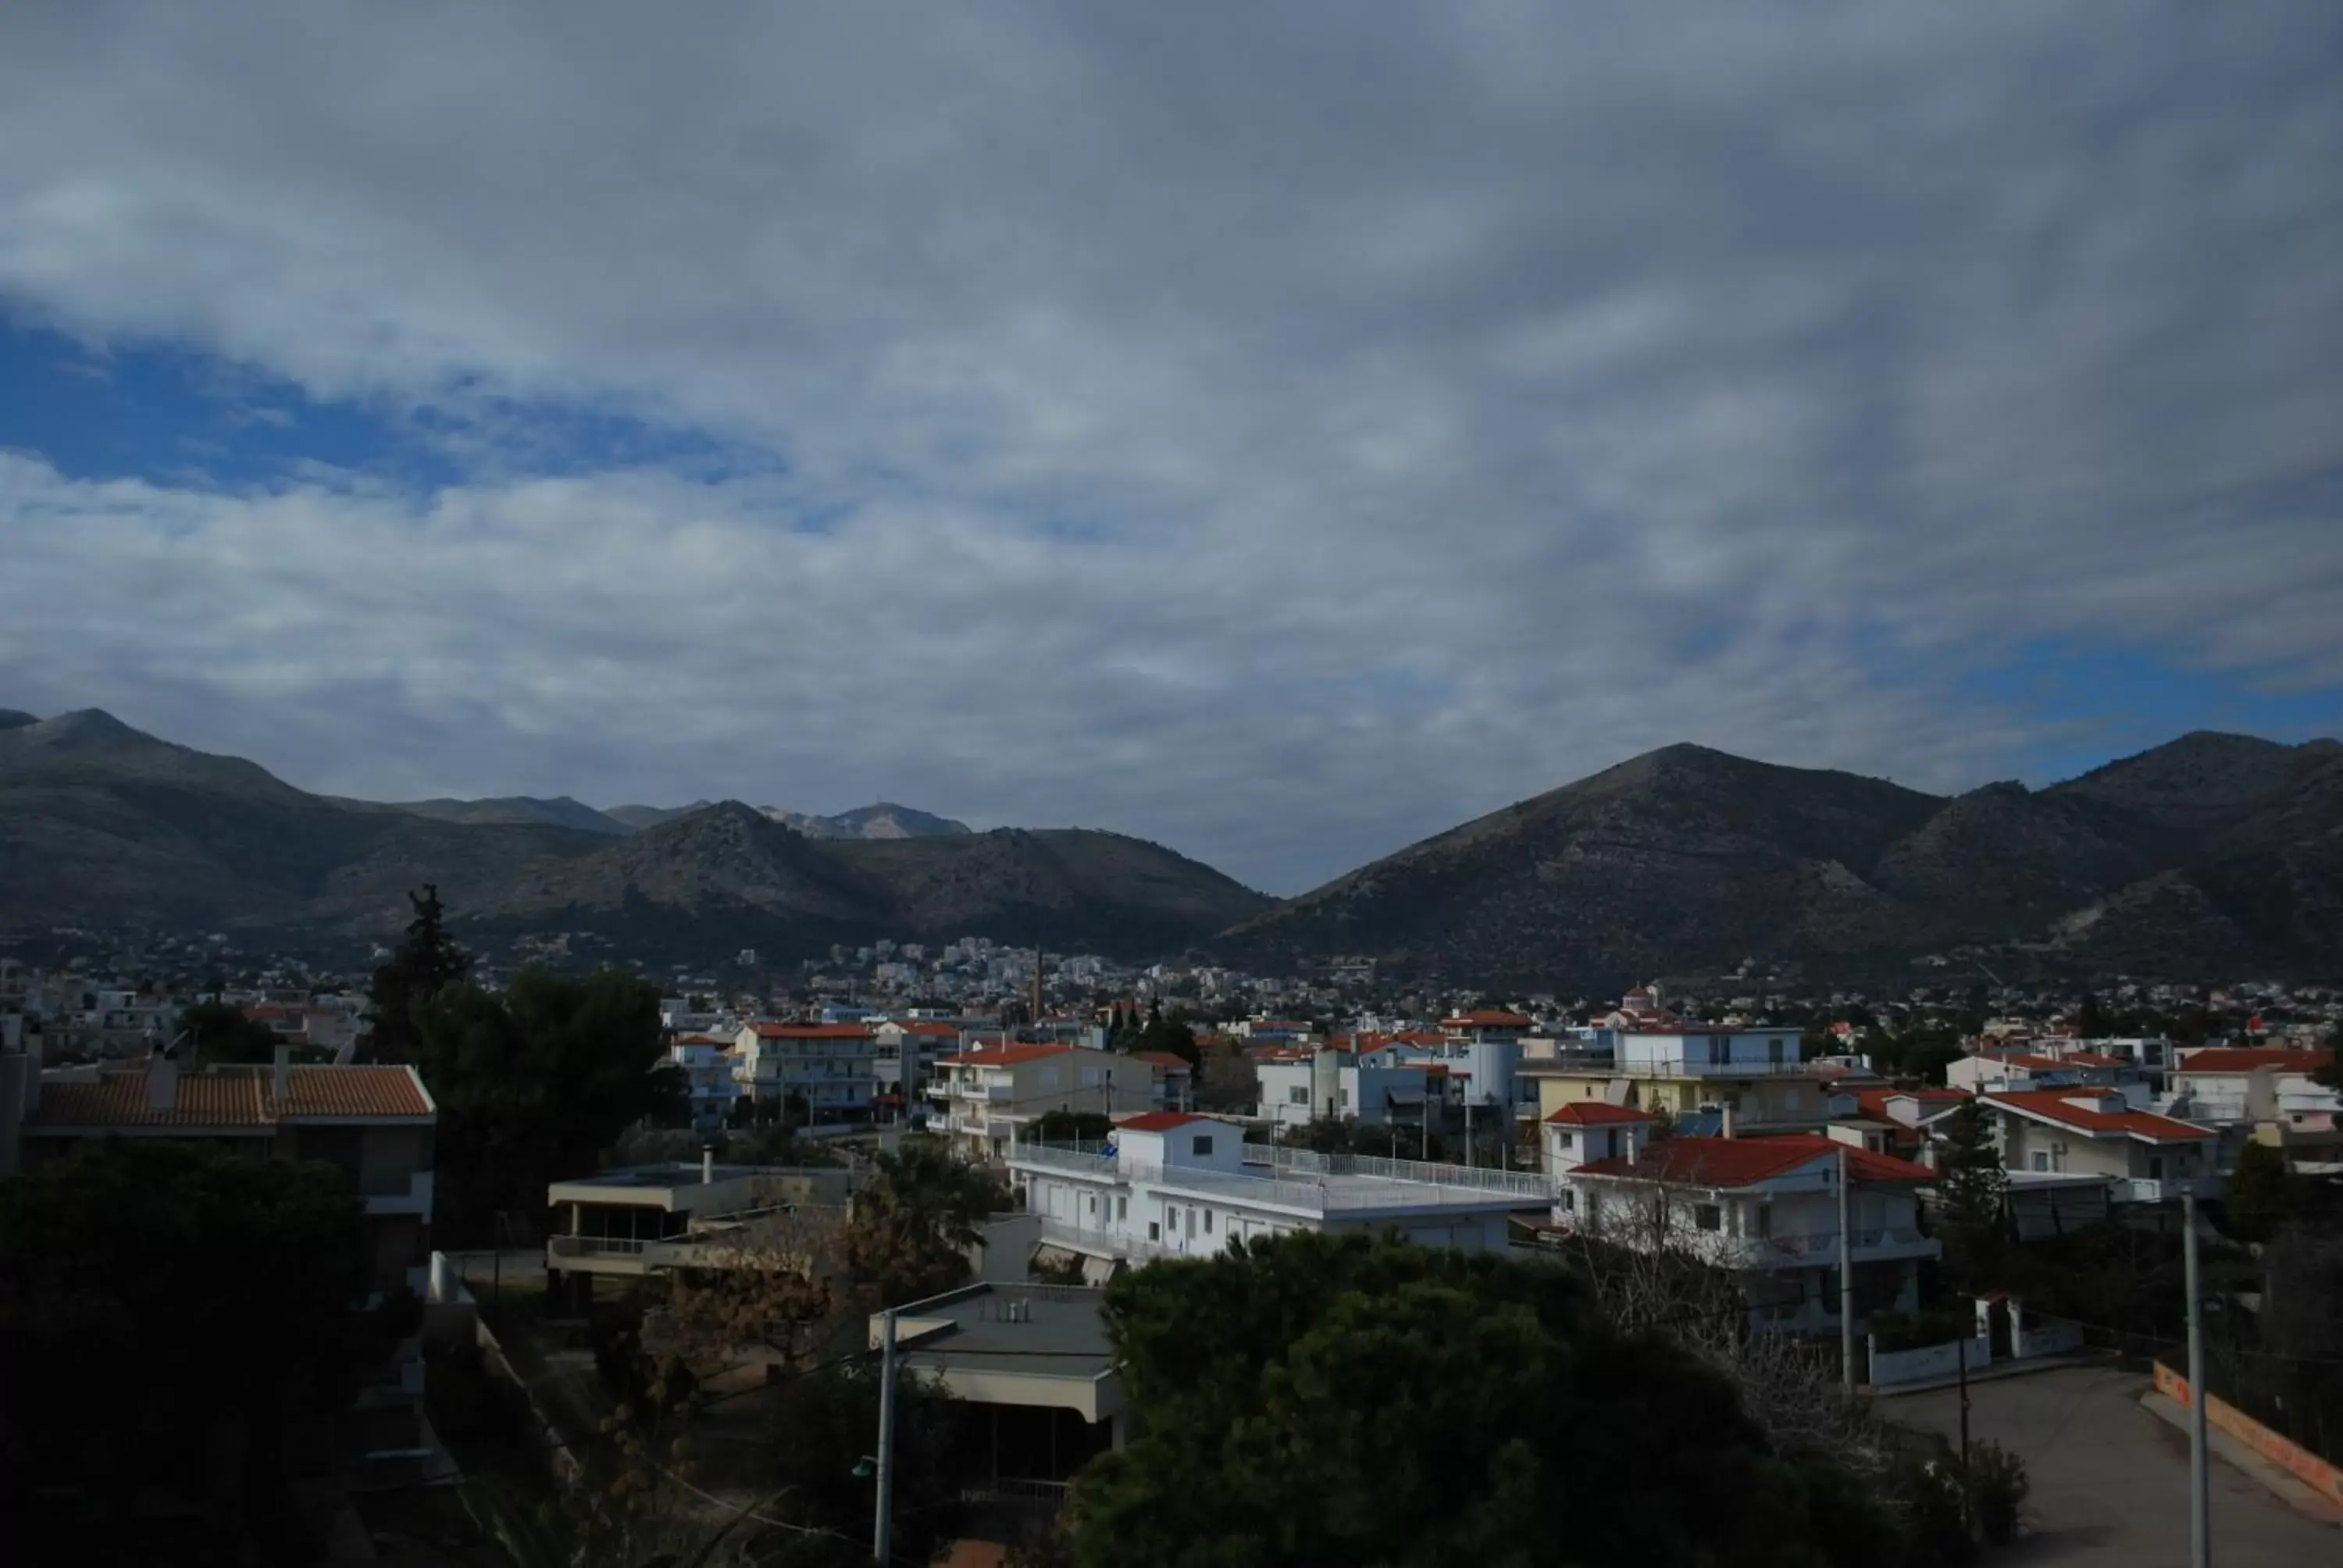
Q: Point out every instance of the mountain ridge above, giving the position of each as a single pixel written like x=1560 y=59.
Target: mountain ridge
x=2209 y=846
x=103 y=823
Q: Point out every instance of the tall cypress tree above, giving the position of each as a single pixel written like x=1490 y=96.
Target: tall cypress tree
x=1970 y=1197
x=428 y=962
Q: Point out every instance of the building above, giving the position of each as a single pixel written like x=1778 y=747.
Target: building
x=1373 y=1088
x=2029 y=1069
x=1688 y=1067
x=832 y=1067
x=1170 y=1080
x=706 y=1063
x=1767 y=1208
x=2266 y=1093
x=990 y=1090
x=1038 y=1363
x=648 y=1219
x=1586 y=1131
x=1171 y=1184
x=904 y=1057
x=376 y=1124
x=2045 y=1135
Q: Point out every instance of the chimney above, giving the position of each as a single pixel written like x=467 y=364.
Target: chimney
x=1727 y=1128
x=162 y=1081
x=707 y=1163
x=280 y=1077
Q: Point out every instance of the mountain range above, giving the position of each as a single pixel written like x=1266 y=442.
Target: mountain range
x=101 y=824
x=2212 y=856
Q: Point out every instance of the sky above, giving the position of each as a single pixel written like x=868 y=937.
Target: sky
x=1277 y=431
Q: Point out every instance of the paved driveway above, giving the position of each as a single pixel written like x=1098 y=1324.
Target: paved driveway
x=2111 y=1481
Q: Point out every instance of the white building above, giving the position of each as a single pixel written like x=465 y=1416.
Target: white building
x=1767 y=1209
x=1177 y=1185
x=1698 y=1049
x=1372 y=1088
x=1586 y=1131
x=832 y=1067
x=2045 y=1135
x=990 y=1091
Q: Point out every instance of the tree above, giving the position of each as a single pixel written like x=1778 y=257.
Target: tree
x=1172 y=1035
x=2329 y=1073
x=428 y=962
x=1969 y=1196
x=1312 y=1399
x=908 y=1233
x=218 y=1031
x=2261 y=1194
x=534 y=1084
x=1072 y=1126
x=173 y=1315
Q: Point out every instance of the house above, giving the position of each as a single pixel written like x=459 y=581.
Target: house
x=904 y=1056
x=2028 y=1069
x=2266 y=1093
x=649 y=1218
x=706 y=1063
x=1486 y=1024
x=1373 y=1088
x=1679 y=1068
x=376 y=1124
x=992 y=1090
x=1170 y=1080
x=2044 y=1134
x=1173 y=1185
x=1586 y=1131
x=831 y=1066
x=1038 y=1365
x=1767 y=1208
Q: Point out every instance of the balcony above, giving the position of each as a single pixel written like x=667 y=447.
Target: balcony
x=2161 y=1189
x=399 y=1192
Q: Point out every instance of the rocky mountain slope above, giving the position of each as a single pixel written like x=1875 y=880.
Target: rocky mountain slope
x=2209 y=854
x=101 y=824
x=881 y=820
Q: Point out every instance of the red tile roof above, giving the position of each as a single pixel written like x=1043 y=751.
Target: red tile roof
x=1596 y=1113
x=926 y=1026
x=1872 y=1102
x=1162 y=1059
x=767 y=1029
x=1486 y=1017
x=1745 y=1161
x=234 y=1098
x=1158 y=1121
x=2234 y=1059
x=2054 y=1105
x=2093 y=1059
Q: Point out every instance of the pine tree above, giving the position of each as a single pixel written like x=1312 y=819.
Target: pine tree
x=428 y=962
x=1969 y=1196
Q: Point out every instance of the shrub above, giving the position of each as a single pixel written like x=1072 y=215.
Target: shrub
x=1996 y=1483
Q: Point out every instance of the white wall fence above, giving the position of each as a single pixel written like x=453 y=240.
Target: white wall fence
x=1924 y=1363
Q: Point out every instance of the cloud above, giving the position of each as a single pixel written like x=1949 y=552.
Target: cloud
x=1275 y=438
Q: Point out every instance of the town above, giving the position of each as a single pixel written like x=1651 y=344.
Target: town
x=954 y=1163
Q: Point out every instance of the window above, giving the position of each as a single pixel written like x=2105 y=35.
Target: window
x=1706 y=1216
x=1563 y=1140
x=1346 y=1094
x=1569 y=1201
x=1298 y=1095
x=1765 y=1226
x=1208 y=1221
x=1094 y=1202
x=1192 y=1222
x=1201 y=1146
x=1122 y=1208
x=2041 y=1161
x=1154 y=1231
x=1720 y=1048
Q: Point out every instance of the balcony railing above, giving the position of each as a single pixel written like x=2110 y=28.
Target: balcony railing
x=1305 y=1161
x=1332 y=1191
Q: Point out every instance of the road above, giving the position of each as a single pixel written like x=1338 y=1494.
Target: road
x=2110 y=1482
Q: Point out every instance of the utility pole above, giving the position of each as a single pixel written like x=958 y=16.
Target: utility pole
x=882 y=1530
x=1961 y=1352
x=1846 y=1277
x=2200 y=1495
